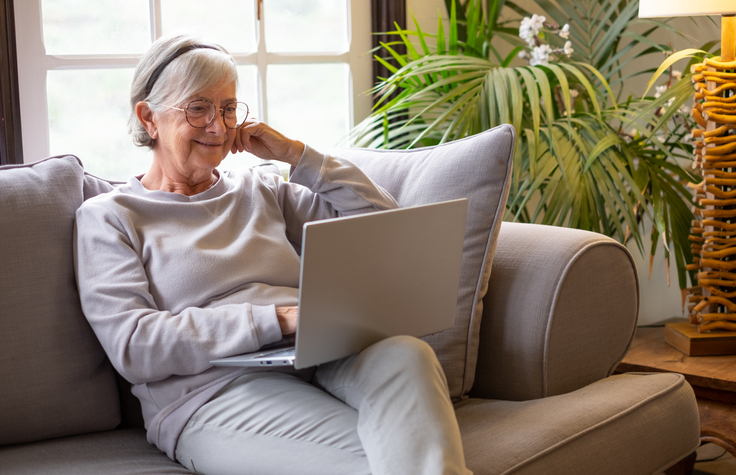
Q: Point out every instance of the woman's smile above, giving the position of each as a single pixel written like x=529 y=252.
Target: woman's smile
x=209 y=144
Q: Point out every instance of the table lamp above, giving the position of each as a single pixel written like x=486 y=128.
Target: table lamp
x=712 y=300
x=672 y=8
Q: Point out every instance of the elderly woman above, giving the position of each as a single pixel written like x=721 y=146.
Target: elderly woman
x=185 y=264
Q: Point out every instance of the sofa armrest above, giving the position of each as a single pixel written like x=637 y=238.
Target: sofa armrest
x=560 y=312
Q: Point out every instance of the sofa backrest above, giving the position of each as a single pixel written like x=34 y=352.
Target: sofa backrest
x=477 y=168
x=55 y=378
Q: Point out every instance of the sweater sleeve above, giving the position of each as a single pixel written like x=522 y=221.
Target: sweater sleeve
x=324 y=186
x=146 y=344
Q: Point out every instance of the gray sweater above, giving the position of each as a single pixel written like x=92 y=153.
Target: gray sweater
x=169 y=282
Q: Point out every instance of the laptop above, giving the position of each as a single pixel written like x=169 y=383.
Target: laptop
x=368 y=277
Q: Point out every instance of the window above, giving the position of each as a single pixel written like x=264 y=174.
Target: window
x=302 y=64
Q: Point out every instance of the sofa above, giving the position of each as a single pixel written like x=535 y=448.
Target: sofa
x=544 y=316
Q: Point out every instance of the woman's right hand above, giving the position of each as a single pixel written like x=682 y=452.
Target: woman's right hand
x=264 y=142
x=288 y=317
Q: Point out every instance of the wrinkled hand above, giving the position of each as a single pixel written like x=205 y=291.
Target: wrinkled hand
x=266 y=143
x=287 y=317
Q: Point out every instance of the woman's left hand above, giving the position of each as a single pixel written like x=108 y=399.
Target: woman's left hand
x=266 y=143
x=288 y=317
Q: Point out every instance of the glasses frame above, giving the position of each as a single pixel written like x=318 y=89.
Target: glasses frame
x=220 y=109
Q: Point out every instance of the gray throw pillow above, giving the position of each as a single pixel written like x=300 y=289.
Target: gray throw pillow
x=477 y=168
x=54 y=377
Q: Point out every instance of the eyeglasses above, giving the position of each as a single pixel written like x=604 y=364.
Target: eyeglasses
x=201 y=113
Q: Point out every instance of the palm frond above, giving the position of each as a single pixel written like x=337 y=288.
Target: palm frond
x=575 y=164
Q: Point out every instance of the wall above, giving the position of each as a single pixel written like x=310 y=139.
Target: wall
x=659 y=302
x=425 y=11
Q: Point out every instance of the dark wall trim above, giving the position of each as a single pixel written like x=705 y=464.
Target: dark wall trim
x=384 y=14
x=11 y=145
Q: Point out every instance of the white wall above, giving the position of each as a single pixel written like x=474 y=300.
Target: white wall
x=658 y=301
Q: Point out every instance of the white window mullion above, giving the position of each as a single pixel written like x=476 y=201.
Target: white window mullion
x=155 y=18
x=87 y=62
x=32 y=80
x=262 y=62
x=349 y=78
x=360 y=60
x=292 y=58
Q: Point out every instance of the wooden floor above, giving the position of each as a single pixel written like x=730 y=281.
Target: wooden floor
x=725 y=465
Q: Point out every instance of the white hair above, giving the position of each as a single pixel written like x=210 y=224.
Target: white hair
x=193 y=71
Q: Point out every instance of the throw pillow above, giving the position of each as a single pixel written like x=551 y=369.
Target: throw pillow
x=56 y=380
x=477 y=168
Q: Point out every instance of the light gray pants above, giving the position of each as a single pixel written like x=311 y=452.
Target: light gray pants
x=390 y=414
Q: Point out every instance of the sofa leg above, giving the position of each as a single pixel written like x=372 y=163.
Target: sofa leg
x=684 y=466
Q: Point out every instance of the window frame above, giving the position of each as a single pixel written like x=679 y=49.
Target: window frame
x=32 y=75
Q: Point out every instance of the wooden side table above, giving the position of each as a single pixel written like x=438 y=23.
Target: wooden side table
x=713 y=379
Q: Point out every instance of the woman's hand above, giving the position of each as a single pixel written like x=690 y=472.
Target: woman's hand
x=288 y=317
x=264 y=142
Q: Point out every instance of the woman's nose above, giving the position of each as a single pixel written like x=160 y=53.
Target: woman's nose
x=217 y=125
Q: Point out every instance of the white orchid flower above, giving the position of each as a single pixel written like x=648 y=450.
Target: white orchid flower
x=568 y=48
x=565 y=31
x=530 y=27
x=525 y=31
x=538 y=21
x=540 y=55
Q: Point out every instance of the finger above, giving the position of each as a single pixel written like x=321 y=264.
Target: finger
x=253 y=128
x=234 y=148
x=247 y=134
x=238 y=143
x=250 y=122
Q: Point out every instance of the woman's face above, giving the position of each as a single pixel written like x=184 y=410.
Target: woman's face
x=193 y=151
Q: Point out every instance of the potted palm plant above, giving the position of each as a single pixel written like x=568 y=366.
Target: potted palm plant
x=586 y=157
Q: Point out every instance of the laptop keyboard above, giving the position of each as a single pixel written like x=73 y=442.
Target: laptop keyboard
x=277 y=353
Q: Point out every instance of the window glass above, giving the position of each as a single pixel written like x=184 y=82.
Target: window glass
x=248 y=88
x=230 y=23
x=88 y=117
x=248 y=93
x=309 y=102
x=306 y=25
x=95 y=26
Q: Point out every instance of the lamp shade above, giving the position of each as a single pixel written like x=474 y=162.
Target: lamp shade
x=670 y=8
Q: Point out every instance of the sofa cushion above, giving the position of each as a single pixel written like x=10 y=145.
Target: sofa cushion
x=477 y=168
x=630 y=423
x=94 y=185
x=118 y=452
x=55 y=378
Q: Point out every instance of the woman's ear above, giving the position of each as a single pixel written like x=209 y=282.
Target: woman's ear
x=145 y=115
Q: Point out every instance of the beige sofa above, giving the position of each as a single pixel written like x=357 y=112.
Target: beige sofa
x=544 y=316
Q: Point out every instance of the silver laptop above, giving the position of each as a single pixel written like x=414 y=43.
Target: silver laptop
x=368 y=277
